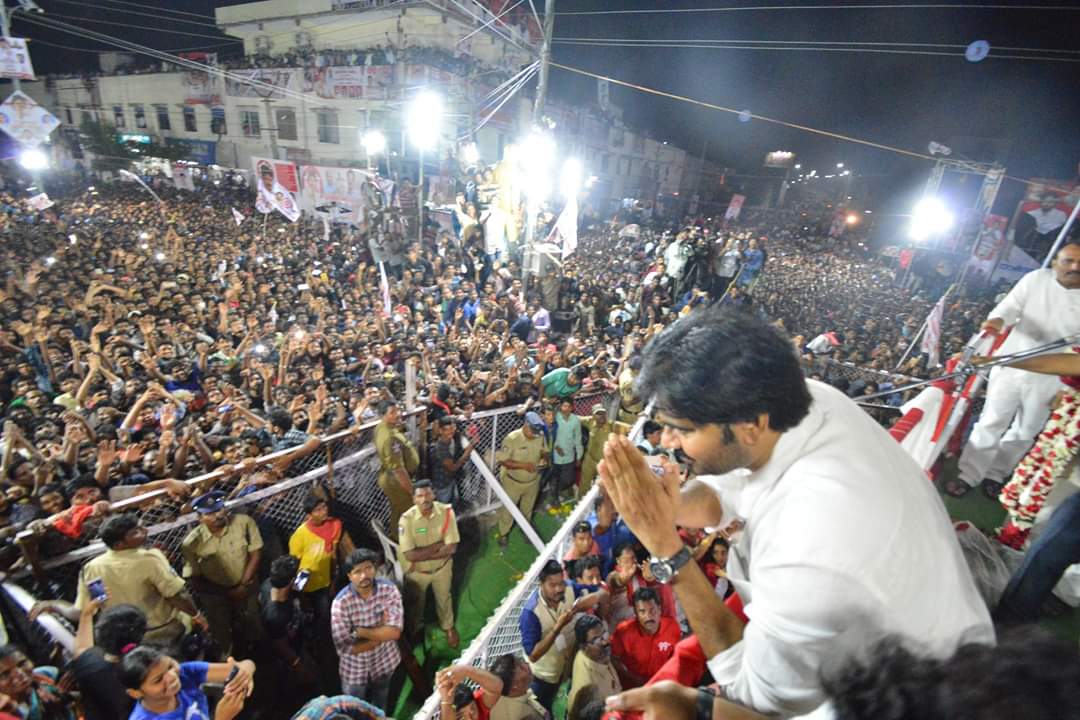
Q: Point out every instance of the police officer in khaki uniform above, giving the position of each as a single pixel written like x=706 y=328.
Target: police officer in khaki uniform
x=520 y=458
x=599 y=430
x=221 y=563
x=630 y=405
x=427 y=540
x=398 y=460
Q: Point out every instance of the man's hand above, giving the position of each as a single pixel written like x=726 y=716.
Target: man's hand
x=647 y=503
x=106 y=454
x=993 y=325
x=665 y=700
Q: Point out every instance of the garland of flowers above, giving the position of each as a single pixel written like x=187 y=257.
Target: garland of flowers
x=1044 y=465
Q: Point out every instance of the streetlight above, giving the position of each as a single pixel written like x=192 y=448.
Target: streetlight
x=930 y=217
x=374 y=142
x=798 y=166
x=33 y=159
x=422 y=120
x=839 y=165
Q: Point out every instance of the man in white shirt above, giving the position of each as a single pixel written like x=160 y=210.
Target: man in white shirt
x=844 y=539
x=1043 y=306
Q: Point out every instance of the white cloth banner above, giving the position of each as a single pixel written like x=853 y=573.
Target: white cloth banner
x=384 y=287
x=631 y=230
x=735 y=207
x=276 y=198
x=40 y=201
x=931 y=341
x=565 y=231
x=182 y=178
x=238 y=216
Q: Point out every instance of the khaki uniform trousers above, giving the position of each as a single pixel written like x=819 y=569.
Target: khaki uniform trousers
x=523 y=494
x=416 y=587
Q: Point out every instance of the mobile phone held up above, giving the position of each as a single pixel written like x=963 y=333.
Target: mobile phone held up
x=301 y=580
x=96 y=588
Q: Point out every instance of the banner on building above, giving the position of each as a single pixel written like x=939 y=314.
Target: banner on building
x=203 y=152
x=25 y=120
x=15 y=59
x=284 y=172
x=735 y=207
x=344 y=193
x=270 y=83
x=989 y=245
x=201 y=88
x=349 y=82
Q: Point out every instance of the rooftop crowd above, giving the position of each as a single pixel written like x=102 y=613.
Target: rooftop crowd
x=145 y=345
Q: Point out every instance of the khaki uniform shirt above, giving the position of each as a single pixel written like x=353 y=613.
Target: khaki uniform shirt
x=520 y=449
x=523 y=707
x=139 y=577
x=416 y=531
x=394 y=450
x=598 y=435
x=589 y=672
x=221 y=559
x=629 y=402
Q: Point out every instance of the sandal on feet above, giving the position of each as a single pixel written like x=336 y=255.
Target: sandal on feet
x=957 y=488
x=992 y=488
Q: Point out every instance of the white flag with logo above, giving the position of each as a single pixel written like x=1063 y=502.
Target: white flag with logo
x=182 y=178
x=565 y=231
x=276 y=198
x=931 y=341
x=238 y=216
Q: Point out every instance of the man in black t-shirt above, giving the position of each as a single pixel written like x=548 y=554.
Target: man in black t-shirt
x=285 y=624
x=116 y=631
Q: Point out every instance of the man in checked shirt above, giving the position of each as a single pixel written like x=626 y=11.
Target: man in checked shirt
x=365 y=621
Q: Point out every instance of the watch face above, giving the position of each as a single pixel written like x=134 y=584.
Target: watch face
x=661 y=570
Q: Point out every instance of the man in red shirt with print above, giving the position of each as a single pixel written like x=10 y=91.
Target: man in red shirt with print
x=642 y=644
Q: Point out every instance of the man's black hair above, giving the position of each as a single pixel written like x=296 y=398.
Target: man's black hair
x=721 y=366
x=280 y=418
x=582 y=564
x=361 y=555
x=115 y=529
x=421 y=484
x=283 y=571
x=313 y=501
x=504 y=667
x=551 y=567
x=646 y=594
x=650 y=427
x=584 y=624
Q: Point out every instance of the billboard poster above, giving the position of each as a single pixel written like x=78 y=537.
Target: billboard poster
x=1042 y=213
x=25 y=120
x=201 y=88
x=988 y=245
x=264 y=83
x=349 y=190
x=15 y=59
x=284 y=172
x=349 y=83
x=203 y=152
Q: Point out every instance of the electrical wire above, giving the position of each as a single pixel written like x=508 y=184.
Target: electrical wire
x=129 y=25
x=775 y=121
x=653 y=41
x=495 y=19
x=156 y=16
x=528 y=74
x=892 y=6
x=156 y=7
x=480 y=18
x=687 y=46
x=37 y=41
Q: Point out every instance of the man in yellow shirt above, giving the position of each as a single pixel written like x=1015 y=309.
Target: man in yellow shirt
x=593 y=676
x=221 y=562
x=398 y=460
x=427 y=540
x=520 y=457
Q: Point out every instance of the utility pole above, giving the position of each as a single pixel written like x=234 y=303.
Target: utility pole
x=545 y=60
x=271 y=126
x=5 y=26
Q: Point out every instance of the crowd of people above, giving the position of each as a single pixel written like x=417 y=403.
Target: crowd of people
x=145 y=345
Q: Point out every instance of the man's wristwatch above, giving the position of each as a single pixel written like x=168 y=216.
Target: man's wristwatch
x=665 y=569
x=704 y=705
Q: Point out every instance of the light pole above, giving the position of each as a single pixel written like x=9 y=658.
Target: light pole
x=424 y=117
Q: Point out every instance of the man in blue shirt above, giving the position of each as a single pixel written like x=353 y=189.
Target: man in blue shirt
x=609 y=531
x=568 y=450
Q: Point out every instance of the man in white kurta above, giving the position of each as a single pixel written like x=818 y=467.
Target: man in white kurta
x=1043 y=306
x=844 y=538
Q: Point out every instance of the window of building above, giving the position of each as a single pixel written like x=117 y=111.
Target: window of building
x=218 y=125
x=285 y=120
x=190 y=123
x=70 y=119
x=605 y=163
x=163 y=117
x=118 y=116
x=140 y=116
x=328 y=127
x=249 y=123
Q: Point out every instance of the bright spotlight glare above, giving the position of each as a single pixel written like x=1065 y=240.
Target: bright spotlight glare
x=259 y=349
x=424 y=117
x=851 y=219
x=298 y=334
x=570 y=179
x=144 y=236
x=33 y=159
x=50 y=261
x=470 y=153
x=534 y=156
x=840 y=165
x=930 y=217
x=374 y=142
x=159 y=256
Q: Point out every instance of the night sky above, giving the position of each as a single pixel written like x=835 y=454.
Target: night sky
x=1023 y=114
